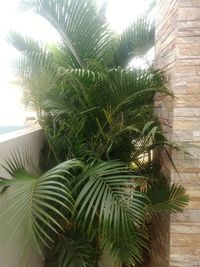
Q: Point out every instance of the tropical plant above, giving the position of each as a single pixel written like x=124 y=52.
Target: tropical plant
x=97 y=116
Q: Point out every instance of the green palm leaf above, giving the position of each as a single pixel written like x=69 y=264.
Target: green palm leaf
x=127 y=249
x=135 y=41
x=168 y=198
x=72 y=250
x=33 y=207
x=108 y=192
x=75 y=251
x=68 y=18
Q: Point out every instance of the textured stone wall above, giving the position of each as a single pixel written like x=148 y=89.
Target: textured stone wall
x=178 y=54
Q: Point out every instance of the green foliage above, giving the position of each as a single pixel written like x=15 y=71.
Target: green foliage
x=72 y=251
x=105 y=190
x=168 y=198
x=97 y=116
x=80 y=204
x=36 y=200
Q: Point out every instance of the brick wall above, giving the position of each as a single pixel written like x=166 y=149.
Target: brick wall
x=178 y=54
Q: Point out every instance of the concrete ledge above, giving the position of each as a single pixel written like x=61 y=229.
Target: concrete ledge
x=29 y=139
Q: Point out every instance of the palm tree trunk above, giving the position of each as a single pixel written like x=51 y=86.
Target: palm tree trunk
x=116 y=264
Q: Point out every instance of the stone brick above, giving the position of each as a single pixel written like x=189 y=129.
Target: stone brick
x=185 y=70
x=188 y=228
x=188 y=169
x=186 y=240
x=184 y=260
x=187 y=112
x=187 y=39
x=191 y=181
x=183 y=125
x=189 y=13
x=189 y=3
x=196 y=135
x=191 y=49
x=189 y=31
x=188 y=216
x=187 y=101
x=188 y=24
x=198 y=68
x=188 y=61
x=193 y=205
x=180 y=135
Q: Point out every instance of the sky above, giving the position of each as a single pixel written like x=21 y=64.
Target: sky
x=120 y=13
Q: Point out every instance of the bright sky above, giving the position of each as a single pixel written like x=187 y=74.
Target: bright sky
x=120 y=14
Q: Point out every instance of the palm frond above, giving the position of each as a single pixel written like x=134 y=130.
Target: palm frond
x=108 y=190
x=31 y=206
x=135 y=41
x=72 y=250
x=75 y=252
x=168 y=198
x=80 y=24
x=128 y=249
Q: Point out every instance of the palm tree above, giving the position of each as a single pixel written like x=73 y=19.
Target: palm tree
x=104 y=183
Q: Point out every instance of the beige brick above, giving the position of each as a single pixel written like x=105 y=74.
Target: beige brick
x=188 y=216
x=183 y=125
x=196 y=135
x=188 y=61
x=183 y=260
x=187 y=100
x=191 y=49
x=188 y=31
x=190 y=3
x=182 y=135
x=187 y=80
x=188 y=228
x=184 y=240
x=189 y=180
x=194 y=194
x=188 y=169
x=185 y=70
x=193 y=88
x=187 y=112
x=189 y=250
x=189 y=13
x=188 y=24
x=193 y=205
x=198 y=68
x=187 y=39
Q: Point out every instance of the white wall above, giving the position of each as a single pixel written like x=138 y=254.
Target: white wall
x=31 y=140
